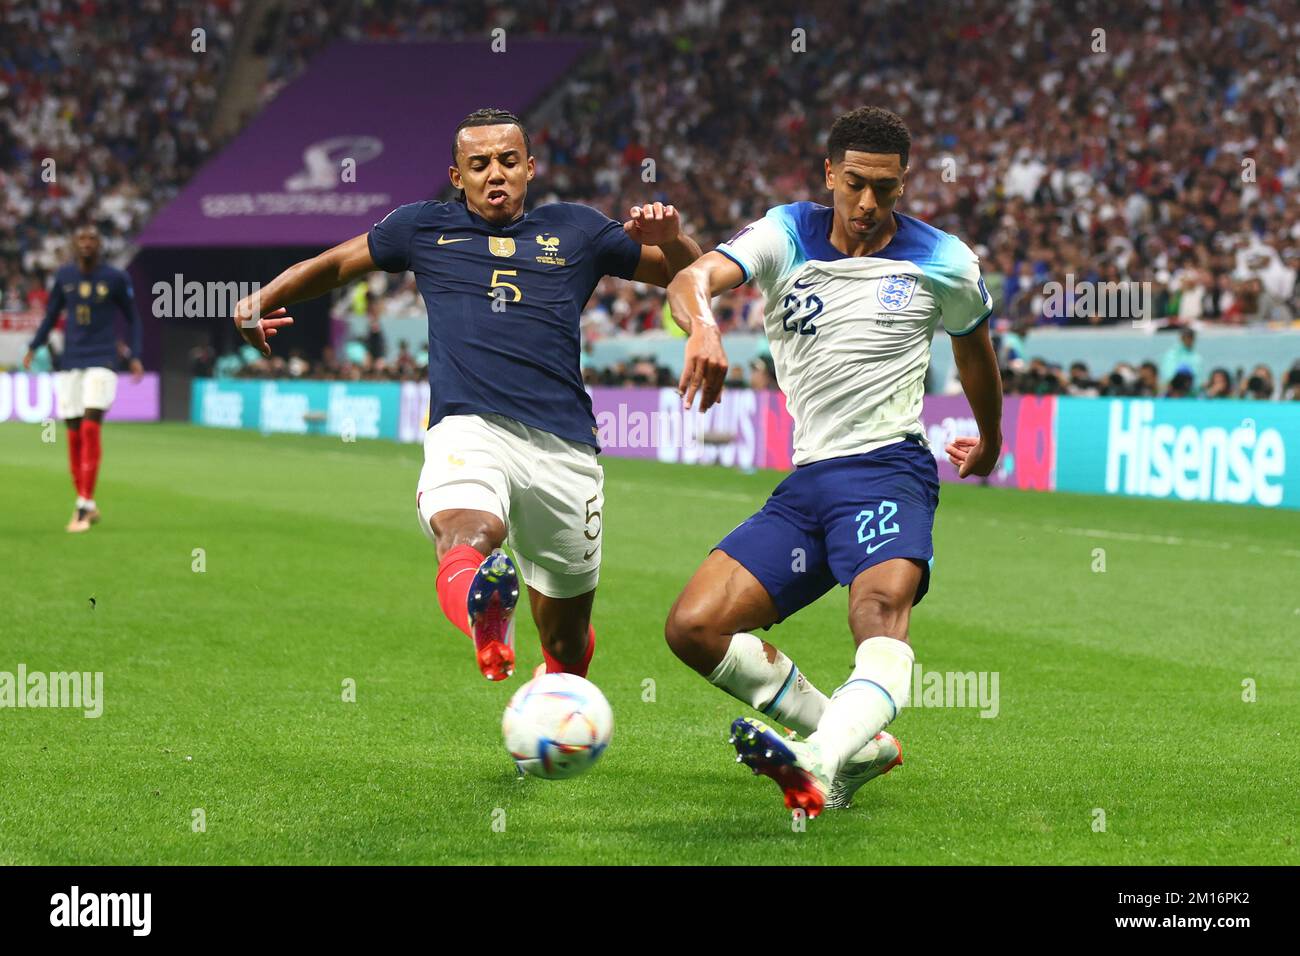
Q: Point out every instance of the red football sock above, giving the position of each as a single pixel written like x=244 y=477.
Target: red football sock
x=90 y=455
x=74 y=457
x=455 y=574
x=555 y=666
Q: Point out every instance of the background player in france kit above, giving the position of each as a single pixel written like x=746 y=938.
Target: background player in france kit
x=93 y=294
x=511 y=447
x=853 y=294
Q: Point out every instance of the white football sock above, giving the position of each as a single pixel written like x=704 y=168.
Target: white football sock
x=776 y=688
x=864 y=705
x=81 y=502
x=89 y=505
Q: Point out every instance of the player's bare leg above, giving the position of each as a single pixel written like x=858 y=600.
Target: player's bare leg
x=478 y=586
x=564 y=626
x=720 y=600
x=480 y=530
x=880 y=599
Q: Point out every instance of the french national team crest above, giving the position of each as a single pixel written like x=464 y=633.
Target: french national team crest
x=501 y=246
x=895 y=292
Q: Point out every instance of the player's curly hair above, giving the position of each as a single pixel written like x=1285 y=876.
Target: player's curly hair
x=490 y=117
x=869 y=129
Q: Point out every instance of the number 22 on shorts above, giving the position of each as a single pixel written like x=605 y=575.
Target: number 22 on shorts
x=884 y=529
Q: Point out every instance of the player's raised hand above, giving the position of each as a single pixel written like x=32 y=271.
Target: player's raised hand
x=705 y=368
x=654 y=224
x=971 y=456
x=257 y=328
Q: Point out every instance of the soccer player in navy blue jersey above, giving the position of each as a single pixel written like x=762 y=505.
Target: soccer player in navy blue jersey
x=93 y=294
x=510 y=454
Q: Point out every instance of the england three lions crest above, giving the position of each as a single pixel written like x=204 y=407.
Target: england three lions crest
x=895 y=292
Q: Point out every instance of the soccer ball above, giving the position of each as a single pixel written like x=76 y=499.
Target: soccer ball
x=557 y=726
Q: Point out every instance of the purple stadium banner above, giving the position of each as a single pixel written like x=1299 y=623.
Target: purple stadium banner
x=366 y=128
x=30 y=398
x=1028 y=438
x=754 y=430
x=650 y=423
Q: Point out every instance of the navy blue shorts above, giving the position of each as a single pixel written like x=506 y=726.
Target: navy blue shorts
x=830 y=520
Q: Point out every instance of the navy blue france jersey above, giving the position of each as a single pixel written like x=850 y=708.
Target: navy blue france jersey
x=93 y=300
x=504 y=305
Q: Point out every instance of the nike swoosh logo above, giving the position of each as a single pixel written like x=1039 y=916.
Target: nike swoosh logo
x=444 y=241
x=800 y=284
x=873 y=548
x=587 y=556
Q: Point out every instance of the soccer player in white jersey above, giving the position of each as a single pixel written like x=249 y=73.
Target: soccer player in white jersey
x=854 y=292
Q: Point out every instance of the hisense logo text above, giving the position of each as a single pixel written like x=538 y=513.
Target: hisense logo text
x=1196 y=464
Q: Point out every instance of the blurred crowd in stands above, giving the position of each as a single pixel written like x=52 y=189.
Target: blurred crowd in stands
x=1138 y=144
x=1161 y=150
x=354 y=363
x=1180 y=373
x=105 y=111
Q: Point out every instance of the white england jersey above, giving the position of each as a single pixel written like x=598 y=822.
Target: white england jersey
x=850 y=335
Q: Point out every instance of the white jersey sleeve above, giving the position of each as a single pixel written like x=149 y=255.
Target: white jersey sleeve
x=964 y=302
x=764 y=250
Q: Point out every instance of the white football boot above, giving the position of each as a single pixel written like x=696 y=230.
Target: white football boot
x=880 y=755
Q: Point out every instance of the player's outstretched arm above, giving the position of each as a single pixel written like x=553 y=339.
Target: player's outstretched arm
x=689 y=295
x=259 y=316
x=665 y=249
x=977 y=367
x=53 y=307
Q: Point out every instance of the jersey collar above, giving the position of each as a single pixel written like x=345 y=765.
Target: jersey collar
x=824 y=250
x=477 y=220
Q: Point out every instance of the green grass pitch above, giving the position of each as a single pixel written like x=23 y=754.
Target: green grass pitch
x=1120 y=691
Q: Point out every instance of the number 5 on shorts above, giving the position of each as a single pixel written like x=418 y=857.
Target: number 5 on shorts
x=587 y=531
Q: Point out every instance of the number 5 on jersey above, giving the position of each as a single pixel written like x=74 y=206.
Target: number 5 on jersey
x=498 y=286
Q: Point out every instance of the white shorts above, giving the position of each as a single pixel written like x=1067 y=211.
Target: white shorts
x=548 y=491
x=81 y=388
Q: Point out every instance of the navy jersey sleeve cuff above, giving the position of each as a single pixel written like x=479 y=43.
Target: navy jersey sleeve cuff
x=633 y=259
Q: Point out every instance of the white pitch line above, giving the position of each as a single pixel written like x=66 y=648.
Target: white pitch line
x=1143 y=538
x=618 y=483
